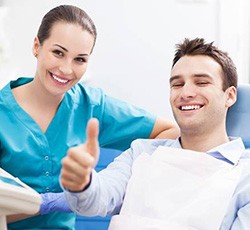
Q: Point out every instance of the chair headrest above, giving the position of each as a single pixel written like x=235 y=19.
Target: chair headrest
x=238 y=116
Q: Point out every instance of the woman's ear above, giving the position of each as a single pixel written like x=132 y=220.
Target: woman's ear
x=231 y=96
x=36 y=46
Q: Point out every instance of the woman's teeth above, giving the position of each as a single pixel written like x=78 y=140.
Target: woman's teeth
x=59 y=79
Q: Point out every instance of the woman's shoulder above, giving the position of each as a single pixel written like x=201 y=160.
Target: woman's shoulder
x=81 y=92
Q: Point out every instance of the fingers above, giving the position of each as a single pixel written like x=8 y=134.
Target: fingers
x=92 y=144
x=76 y=169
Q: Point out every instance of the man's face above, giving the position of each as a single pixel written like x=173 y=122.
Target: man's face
x=198 y=102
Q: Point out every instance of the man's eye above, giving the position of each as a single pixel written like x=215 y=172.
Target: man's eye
x=58 y=52
x=202 y=83
x=176 y=85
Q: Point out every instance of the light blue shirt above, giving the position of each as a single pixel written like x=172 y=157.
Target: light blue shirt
x=35 y=157
x=105 y=194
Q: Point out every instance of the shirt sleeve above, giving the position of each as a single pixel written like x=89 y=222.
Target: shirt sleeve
x=106 y=192
x=238 y=212
x=104 y=196
x=242 y=220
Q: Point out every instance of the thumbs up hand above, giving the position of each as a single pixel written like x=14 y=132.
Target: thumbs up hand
x=80 y=160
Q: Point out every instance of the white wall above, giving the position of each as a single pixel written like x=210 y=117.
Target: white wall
x=234 y=34
x=135 y=43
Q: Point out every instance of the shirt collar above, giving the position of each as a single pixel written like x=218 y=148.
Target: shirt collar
x=231 y=150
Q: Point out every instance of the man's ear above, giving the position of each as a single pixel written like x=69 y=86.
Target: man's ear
x=36 y=46
x=231 y=96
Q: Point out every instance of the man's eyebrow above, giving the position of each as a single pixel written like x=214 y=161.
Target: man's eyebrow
x=204 y=76
x=68 y=51
x=194 y=75
x=172 y=78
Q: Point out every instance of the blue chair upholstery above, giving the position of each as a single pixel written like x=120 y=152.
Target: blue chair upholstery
x=98 y=223
x=238 y=117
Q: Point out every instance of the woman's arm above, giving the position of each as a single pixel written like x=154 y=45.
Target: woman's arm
x=17 y=217
x=50 y=202
x=164 y=129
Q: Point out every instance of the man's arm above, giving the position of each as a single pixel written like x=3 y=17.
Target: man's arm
x=165 y=129
x=242 y=220
x=90 y=193
x=104 y=195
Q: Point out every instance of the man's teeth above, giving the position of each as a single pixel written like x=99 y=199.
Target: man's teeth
x=190 y=107
x=59 y=79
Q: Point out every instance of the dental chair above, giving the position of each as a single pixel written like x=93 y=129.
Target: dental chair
x=238 y=116
x=16 y=197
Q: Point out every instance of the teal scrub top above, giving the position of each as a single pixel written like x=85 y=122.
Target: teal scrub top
x=35 y=157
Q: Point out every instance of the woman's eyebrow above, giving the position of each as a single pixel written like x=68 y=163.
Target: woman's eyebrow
x=61 y=47
x=68 y=51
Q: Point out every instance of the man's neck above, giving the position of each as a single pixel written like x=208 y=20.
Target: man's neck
x=203 y=142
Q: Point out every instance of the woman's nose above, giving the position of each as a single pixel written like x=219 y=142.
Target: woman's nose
x=66 y=67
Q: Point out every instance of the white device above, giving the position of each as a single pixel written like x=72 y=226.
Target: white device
x=16 y=198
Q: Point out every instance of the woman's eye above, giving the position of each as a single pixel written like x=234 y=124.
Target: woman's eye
x=80 y=59
x=58 y=52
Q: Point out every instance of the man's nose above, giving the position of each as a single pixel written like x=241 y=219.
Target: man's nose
x=188 y=90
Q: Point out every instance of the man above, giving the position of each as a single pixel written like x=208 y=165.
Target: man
x=198 y=181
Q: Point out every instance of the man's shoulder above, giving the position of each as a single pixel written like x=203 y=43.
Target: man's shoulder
x=245 y=161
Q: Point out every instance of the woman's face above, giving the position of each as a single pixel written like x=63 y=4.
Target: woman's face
x=63 y=57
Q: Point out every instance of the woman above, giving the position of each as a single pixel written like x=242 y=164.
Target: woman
x=42 y=117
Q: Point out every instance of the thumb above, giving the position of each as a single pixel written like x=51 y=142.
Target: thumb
x=92 y=144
